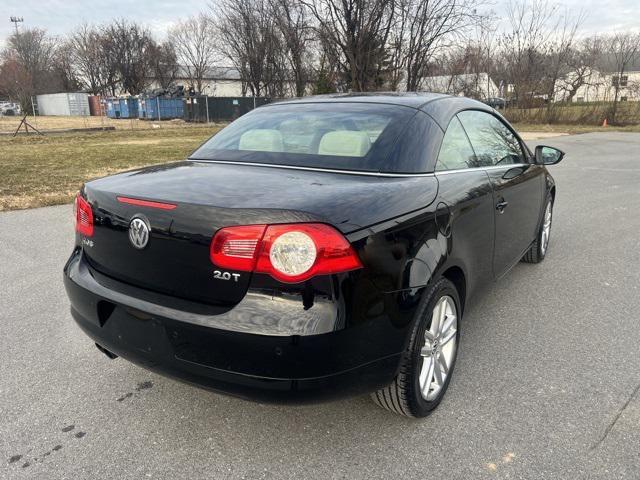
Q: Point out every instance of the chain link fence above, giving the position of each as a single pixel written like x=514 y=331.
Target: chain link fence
x=133 y=114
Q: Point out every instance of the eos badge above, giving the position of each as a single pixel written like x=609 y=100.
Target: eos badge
x=138 y=233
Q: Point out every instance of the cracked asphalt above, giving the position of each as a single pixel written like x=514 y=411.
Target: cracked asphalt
x=547 y=383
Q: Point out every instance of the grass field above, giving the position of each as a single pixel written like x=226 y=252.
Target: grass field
x=52 y=123
x=37 y=171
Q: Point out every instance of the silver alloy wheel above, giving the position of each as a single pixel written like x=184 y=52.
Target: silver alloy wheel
x=439 y=348
x=546 y=229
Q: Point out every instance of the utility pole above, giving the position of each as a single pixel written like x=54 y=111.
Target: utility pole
x=16 y=21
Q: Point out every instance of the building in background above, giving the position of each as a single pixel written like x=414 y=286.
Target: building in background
x=600 y=87
x=474 y=85
x=223 y=82
x=217 y=81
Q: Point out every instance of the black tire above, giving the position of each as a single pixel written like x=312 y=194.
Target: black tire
x=538 y=250
x=403 y=396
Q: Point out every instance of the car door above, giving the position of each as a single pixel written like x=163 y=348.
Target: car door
x=465 y=194
x=518 y=185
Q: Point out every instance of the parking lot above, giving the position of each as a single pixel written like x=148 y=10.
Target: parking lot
x=547 y=383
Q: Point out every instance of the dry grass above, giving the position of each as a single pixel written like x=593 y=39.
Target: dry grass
x=579 y=114
x=49 y=123
x=38 y=171
x=570 y=129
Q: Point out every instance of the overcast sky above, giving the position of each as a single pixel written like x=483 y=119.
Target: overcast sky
x=60 y=16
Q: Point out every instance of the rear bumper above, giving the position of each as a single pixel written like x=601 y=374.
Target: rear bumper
x=273 y=368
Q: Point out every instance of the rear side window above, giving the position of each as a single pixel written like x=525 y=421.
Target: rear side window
x=493 y=142
x=456 y=152
x=348 y=136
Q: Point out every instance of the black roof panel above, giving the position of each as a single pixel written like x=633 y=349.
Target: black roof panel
x=408 y=99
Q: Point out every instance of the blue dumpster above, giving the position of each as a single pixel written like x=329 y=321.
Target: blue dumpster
x=133 y=107
x=113 y=108
x=160 y=108
x=129 y=107
x=142 y=107
x=124 y=108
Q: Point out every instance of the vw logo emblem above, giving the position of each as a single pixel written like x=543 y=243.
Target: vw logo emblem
x=138 y=233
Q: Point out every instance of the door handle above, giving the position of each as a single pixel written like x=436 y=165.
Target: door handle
x=501 y=205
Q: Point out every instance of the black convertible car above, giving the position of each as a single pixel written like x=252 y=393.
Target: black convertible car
x=313 y=248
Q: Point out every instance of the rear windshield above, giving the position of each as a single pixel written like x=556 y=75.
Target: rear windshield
x=345 y=136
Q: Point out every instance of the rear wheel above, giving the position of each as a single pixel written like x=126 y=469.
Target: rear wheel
x=538 y=249
x=427 y=365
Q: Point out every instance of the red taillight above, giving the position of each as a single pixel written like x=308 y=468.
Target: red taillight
x=236 y=248
x=84 y=217
x=287 y=252
x=290 y=253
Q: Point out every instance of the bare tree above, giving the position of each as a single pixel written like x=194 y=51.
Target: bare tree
x=486 y=47
x=164 y=64
x=624 y=47
x=426 y=28
x=560 y=52
x=329 y=73
x=195 y=48
x=128 y=47
x=109 y=66
x=293 y=22
x=63 y=74
x=360 y=30
x=525 y=47
x=34 y=49
x=88 y=59
x=396 y=45
x=15 y=81
x=38 y=63
x=581 y=63
x=248 y=37
x=325 y=77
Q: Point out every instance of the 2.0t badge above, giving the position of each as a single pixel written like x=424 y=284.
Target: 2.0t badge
x=138 y=233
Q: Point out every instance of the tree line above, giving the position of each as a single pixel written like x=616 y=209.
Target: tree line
x=284 y=48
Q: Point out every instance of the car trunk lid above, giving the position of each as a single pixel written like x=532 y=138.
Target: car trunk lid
x=184 y=204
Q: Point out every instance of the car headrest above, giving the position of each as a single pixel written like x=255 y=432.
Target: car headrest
x=345 y=143
x=262 y=140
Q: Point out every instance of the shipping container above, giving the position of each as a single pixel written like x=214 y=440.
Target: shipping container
x=95 y=105
x=216 y=109
x=66 y=104
x=160 y=108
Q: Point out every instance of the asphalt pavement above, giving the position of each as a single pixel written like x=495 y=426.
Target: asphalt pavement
x=546 y=385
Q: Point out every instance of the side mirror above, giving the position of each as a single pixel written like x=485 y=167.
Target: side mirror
x=548 y=155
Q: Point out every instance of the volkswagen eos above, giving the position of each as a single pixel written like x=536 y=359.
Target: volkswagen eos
x=313 y=248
